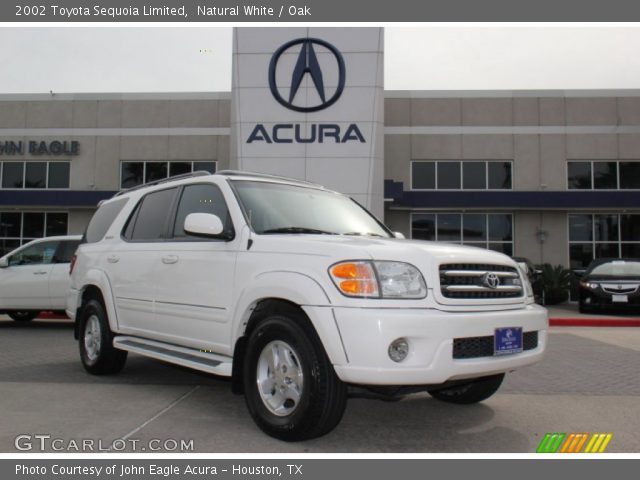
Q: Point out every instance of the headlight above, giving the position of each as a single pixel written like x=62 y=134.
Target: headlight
x=382 y=279
x=589 y=285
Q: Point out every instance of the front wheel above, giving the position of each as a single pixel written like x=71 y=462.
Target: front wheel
x=23 y=316
x=475 y=391
x=291 y=389
x=96 y=341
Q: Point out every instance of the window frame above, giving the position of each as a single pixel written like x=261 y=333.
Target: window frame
x=21 y=239
x=461 y=163
x=24 y=175
x=168 y=165
x=593 y=243
x=591 y=163
x=482 y=244
x=37 y=244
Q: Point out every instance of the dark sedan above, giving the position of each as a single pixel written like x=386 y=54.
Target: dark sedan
x=611 y=283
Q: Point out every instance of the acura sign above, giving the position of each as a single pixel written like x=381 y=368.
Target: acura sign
x=306 y=66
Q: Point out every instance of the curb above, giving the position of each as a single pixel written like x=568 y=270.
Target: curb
x=593 y=322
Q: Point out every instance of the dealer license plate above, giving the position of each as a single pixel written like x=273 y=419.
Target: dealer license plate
x=507 y=341
x=619 y=298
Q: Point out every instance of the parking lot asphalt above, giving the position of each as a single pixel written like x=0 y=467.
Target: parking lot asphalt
x=588 y=382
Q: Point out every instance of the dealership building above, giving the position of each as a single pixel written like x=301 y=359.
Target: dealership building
x=553 y=176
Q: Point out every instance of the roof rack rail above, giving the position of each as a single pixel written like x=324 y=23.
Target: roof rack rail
x=197 y=173
x=240 y=173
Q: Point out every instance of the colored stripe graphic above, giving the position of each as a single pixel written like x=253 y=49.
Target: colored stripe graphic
x=574 y=442
x=551 y=442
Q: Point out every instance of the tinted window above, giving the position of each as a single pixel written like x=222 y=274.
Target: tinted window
x=155 y=171
x=58 y=175
x=103 y=219
x=56 y=224
x=152 y=216
x=606 y=228
x=630 y=227
x=424 y=175
x=579 y=175
x=605 y=175
x=33 y=225
x=132 y=174
x=580 y=255
x=65 y=251
x=179 y=168
x=499 y=175
x=10 y=224
x=475 y=227
x=204 y=166
x=630 y=175
x=449 y=175
x=449 y=227
x=200 y=199
x=500 y=228
x=36 y=175
x=474 y=175
x=580 y=228
x=423 y=226
x=12 y=174
x=38 y=254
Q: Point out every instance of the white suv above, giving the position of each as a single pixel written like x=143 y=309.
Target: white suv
x=295 y=291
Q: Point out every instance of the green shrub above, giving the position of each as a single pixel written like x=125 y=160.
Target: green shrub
x=556 y=282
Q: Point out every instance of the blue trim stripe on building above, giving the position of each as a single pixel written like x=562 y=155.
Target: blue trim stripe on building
x=54 y=198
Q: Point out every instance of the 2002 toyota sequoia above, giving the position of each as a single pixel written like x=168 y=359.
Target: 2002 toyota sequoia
x=295 y=292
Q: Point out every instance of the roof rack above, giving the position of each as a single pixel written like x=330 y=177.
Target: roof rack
x=240 y=173
x=198 y=173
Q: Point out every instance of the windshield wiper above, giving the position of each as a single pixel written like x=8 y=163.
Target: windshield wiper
x=364 y=234
x=297 y=230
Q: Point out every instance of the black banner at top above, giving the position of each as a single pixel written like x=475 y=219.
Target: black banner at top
x=320 y=11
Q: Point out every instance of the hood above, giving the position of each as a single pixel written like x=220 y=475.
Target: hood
x=344 y=247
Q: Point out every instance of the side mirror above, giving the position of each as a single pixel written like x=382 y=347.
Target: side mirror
x=4 y=262
x=399 y=235
x=203 y=225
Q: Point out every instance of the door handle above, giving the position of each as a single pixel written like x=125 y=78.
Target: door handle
x=169 y=259
x=113 y=259
x=40 y=272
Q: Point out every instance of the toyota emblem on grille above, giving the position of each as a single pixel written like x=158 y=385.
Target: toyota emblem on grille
x=491 y=280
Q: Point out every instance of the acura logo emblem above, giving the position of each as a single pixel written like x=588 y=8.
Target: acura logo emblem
x=306 y=65
x=491 y=280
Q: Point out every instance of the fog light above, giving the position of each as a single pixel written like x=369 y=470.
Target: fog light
x=587 y=300
x=398 y=350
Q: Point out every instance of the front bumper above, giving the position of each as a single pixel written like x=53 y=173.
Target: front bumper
x=367 y=332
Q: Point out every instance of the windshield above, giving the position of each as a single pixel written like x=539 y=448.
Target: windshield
x=281 y=208
x=617 y=268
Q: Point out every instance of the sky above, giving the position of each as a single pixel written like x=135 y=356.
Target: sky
x=176 y=59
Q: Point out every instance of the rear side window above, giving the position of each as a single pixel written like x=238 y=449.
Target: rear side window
x=65 y=251
x=201 y=198
x=102 y=220
x=149 y=220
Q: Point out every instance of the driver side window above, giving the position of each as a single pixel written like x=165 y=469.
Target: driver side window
x=38 y=254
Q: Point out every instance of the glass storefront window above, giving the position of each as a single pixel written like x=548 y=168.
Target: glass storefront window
x=603 y=175
x=609 y=235
x=18 y=228
x=476 y=175
x=133 y=174
x=493 y=230
x=36 y=175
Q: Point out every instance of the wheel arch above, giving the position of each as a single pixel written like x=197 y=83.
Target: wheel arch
x=98 y=287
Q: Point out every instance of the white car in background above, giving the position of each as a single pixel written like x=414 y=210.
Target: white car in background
x=35 y=277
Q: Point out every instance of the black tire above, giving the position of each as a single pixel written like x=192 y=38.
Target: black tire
x=582 y=308
x=104 y=359
x=322 y=396
x=475 y=391
x=23 y=316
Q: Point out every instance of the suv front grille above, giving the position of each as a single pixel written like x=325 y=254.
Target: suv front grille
x=477 y=280
x=476 y=347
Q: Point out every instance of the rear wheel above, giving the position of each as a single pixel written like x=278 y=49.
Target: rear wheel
x=467 y=393
x=96 y=341
x=291 y=389
x=23 y=316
